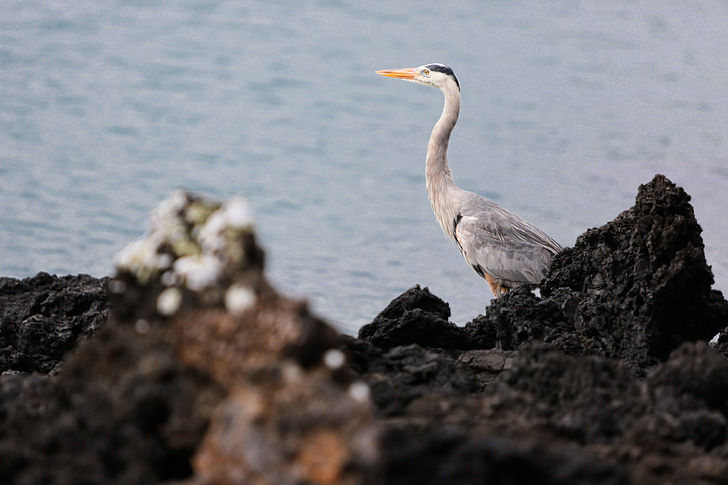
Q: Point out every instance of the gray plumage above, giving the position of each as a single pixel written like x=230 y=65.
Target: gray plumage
x=500 y=246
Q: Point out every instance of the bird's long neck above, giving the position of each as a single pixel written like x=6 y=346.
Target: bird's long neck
x=440 y=184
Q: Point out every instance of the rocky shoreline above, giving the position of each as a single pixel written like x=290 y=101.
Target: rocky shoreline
x=170 y=374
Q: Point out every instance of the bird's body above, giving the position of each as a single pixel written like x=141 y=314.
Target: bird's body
x=500 y=246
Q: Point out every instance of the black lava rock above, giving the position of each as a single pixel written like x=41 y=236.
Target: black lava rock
x=43 y=317
x=415 y=317
x=639 y=286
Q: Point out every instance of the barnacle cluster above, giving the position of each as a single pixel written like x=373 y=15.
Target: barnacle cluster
x=193 y=244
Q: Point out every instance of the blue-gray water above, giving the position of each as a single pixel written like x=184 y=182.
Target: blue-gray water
x=105 y=107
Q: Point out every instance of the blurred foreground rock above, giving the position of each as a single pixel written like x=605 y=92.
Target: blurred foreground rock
x=204 y=374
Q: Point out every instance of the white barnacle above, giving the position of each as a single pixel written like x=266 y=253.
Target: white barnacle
x=139 y=258
x=198 y=212
x=169 y=278
x=238 y=212
x=117 y=286
x=235 y=214
x=334 y=359
x=169 y=209
x=133 y=256
x=291 y=372
x=189 y=244
x=198 y=271
x=239 y=298
x=359 y=391
x=163 y=261
x=141 y=326
x=169 y=301
x=211 y=234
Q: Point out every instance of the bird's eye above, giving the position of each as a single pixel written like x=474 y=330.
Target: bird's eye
x=426 y=72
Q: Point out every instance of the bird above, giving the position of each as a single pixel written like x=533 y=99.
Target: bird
x=502 y=247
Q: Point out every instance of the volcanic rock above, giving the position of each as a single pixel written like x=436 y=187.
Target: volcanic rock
x=402 y=323
x=610 y=361
x=43 y=317
x=640 y=286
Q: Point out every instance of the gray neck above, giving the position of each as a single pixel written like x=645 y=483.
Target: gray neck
x=440 y=186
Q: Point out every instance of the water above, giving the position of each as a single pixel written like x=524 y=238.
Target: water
x=106 y=107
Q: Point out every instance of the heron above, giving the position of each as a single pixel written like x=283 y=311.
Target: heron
x=500 y=246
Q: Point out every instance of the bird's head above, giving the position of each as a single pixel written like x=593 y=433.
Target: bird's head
x=435 y=75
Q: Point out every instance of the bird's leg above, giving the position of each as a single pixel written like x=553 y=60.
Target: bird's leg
x=495 y=287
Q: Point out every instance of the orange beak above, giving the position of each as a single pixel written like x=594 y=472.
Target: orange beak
x=399 y=73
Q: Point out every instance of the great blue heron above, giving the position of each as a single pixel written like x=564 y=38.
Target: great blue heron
x=500 y=246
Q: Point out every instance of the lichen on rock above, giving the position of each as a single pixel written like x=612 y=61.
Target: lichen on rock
x=192 y=238
x=196 y=250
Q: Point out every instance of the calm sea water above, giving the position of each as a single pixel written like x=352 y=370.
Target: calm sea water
x=106 y=107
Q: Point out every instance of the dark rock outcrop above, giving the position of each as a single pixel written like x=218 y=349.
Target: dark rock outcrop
x=124 y=411
x=633 y=289
x=456 y=456
x=640 y=284
x=415 y=317
x=43 y=317
x=611 y=360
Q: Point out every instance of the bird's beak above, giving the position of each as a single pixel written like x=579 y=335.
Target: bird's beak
x=409 y=73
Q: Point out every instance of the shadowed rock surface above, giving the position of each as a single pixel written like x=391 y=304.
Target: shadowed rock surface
x=640 y=284
x=43 y=317
x=206 y=375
